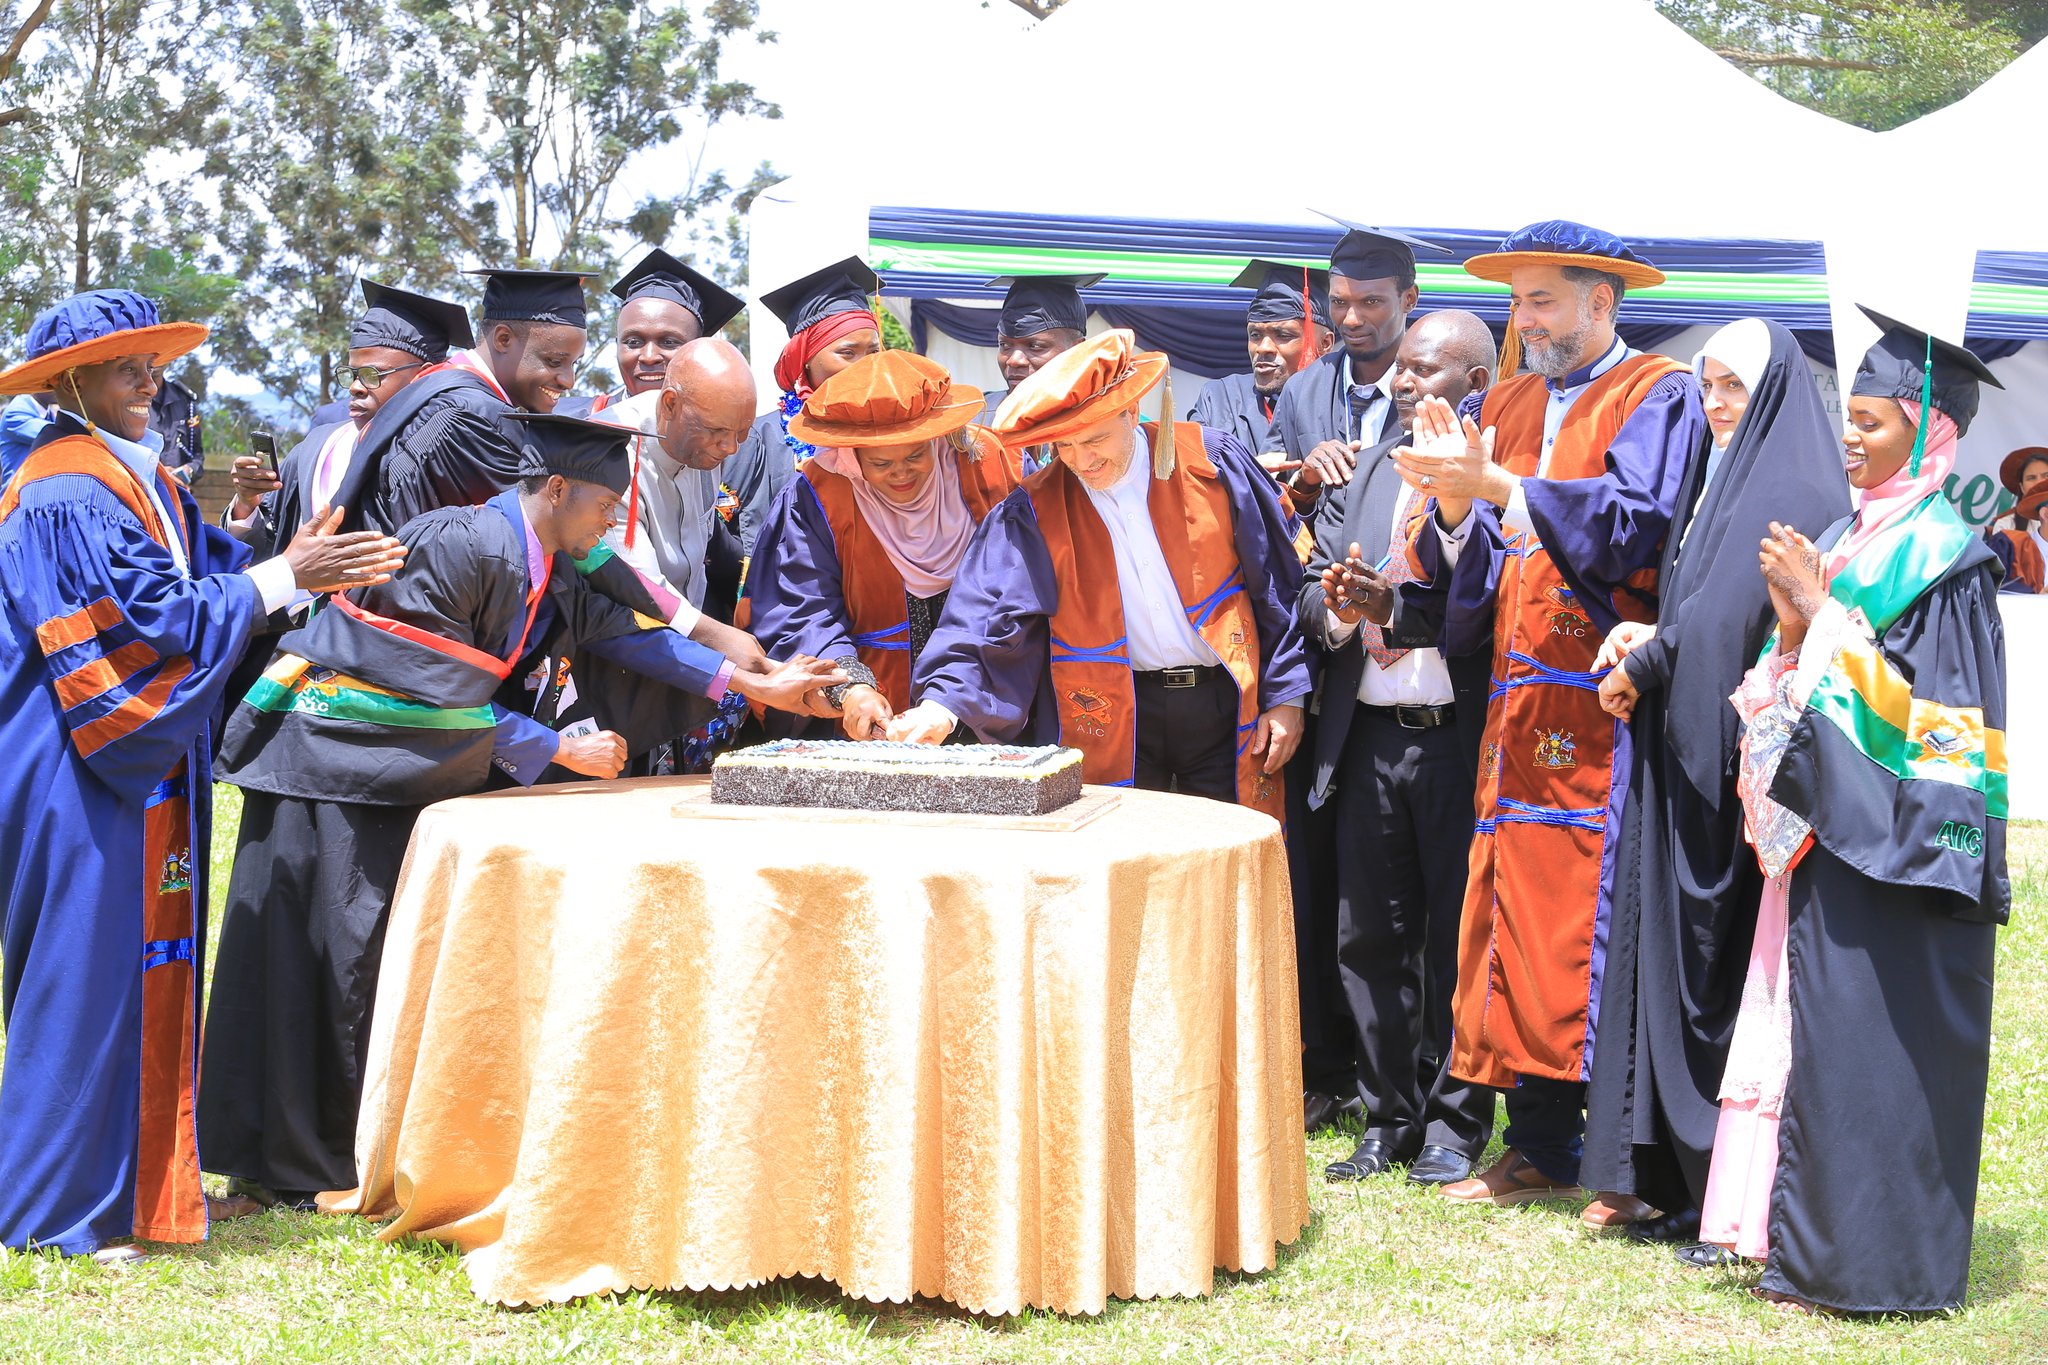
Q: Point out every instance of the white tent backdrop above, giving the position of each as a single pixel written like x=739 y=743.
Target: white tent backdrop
x=1136 y=117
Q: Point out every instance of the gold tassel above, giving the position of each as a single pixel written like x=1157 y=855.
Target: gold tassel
x=1162 y=447
x=1510 y=350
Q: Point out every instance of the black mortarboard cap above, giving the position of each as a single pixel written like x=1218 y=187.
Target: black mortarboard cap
x=413 y=323
x=1043 y=303
x=574 y=447
x=661 y=276
x=534 y=296
x=842 y=287
x=1896 y=365
x=1370 y=253
x=1280 y=286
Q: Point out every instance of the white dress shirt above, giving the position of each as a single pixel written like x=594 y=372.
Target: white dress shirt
x=1417 y=678
x=1156 y=624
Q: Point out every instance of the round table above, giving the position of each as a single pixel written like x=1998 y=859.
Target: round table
x=624 y=1040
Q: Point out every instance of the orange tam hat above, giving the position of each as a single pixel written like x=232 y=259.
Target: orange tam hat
x=889 y=398
x=1079 y=388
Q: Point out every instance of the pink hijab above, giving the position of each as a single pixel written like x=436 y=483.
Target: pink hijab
x=925 y=538
x=1879 y=507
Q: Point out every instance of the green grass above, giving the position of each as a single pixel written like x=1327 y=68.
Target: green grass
x=1384 y=1273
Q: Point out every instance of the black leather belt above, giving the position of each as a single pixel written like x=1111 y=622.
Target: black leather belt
x=1415 y=717
x=1178 y=677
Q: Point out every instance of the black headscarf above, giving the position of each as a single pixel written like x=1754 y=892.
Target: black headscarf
x=1783 y=464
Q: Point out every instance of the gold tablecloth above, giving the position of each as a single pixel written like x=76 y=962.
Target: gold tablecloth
x=617 y=1047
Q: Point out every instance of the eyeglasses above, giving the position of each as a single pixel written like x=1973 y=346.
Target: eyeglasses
x=370 y=375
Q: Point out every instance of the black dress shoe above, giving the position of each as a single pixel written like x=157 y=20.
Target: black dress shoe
x=1320 y=1111
x=1683 y=1226
x=1372 y=1158
x=1438 y=1166
x=1705 y=1255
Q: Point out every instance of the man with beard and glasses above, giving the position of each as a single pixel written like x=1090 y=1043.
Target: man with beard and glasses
x=1286 y=328
x=1553 y=496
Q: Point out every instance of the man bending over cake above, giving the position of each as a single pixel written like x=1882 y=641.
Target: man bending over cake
x=1132 y=600
x=389 y=699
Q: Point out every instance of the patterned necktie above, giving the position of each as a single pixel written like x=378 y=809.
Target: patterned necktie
x=1400 y=571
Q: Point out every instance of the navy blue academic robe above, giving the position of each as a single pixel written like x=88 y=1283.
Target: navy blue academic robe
x=441 y=441
x=112 y=664
x=1233 y=404
x=758 y=472
x=1314 y=408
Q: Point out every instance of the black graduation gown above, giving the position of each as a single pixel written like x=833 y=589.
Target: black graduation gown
x=758 y=472
x=1233 y=404
x=441 y=441
x=278 y=518
x=329 y=804
x=1685 y=882
x=1893 y=913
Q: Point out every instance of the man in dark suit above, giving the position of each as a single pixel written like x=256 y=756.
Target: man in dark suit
x=1397 y=748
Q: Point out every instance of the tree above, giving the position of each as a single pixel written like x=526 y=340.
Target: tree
x=96 y=196
x=338 y=154
x=10 y=58
x=1877 y=63
x=575 y=89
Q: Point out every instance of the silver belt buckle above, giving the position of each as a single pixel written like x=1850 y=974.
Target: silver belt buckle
x=1402 y=713
x=1179 y=677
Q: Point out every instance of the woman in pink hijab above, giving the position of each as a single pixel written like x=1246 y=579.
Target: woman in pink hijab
x=859 y=551
x=1872 y=779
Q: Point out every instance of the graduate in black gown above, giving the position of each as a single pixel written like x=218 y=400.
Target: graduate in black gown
x=1873 y=777
x=1685 y=887
x=831 y=323
x=1286 y=327
x=386 y=701
x=664 y=305
x=1042 y=316
x=444 y=440
x=398 y=335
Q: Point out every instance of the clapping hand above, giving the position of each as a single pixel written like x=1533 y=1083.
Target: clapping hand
x=1354 y=590
x=1452 y=460
x=1797 y=581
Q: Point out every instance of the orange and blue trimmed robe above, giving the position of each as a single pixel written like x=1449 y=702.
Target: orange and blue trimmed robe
x=112 y=667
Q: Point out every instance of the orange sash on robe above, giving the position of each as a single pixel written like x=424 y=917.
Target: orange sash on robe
x=871 y=583
x=2027 y=567
x=170 y=1206
x=1091 y=662
x=1525 y=949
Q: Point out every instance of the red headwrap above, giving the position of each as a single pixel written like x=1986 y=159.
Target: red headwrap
x=808 y=344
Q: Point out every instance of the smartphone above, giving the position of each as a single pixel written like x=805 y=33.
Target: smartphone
x=265 y=445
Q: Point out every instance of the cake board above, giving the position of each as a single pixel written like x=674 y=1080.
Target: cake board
x=1095 y=802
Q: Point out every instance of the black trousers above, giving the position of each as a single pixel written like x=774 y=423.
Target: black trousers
x=288 y=1019
x=1187 y=736
x=1328 y=1041
x=1404 y=808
